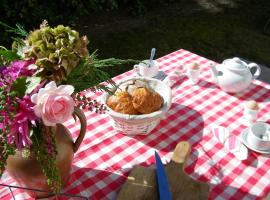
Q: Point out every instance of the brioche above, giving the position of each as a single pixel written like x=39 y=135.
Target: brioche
x=122 y=102
x=146 y=100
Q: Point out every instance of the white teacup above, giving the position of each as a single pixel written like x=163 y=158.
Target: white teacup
x=259 y=136
x=146 y=70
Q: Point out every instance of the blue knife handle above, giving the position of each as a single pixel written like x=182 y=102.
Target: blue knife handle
x=162 y=180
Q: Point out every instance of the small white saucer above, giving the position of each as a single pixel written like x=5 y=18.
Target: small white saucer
x=244 y=140
x=160 y=76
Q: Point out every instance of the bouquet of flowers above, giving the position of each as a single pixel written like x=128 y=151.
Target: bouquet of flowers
x=39 y=83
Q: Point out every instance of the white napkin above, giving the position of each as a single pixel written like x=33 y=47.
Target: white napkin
x=231 y=142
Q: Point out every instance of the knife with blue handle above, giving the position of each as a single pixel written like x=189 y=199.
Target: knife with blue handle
x=162 y=179
x=143 y=183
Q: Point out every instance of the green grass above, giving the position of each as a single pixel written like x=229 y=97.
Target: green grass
x=216 y=35
x=215 y=29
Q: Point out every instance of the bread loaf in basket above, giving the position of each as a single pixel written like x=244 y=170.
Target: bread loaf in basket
x=144 y=123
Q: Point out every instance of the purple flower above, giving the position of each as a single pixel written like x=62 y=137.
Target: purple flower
x=2 y=68
x=19 y=130
x=20 y=68
x=16 y=69
x=17 y=127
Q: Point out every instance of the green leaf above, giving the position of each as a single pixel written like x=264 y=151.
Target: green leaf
x=32 y=83
x=89 y=73
x=19 y=86
x=18 y=30
x=85 y=76
x=7 y=55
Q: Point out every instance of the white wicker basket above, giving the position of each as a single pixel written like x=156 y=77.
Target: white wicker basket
x=141 y=124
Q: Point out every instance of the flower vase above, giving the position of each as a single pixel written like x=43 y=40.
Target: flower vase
x=27 y=171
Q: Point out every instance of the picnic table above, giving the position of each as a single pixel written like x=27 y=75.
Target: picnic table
x=106 y=157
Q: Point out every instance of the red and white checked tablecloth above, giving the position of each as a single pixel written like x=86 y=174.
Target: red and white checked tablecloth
x=105 y=157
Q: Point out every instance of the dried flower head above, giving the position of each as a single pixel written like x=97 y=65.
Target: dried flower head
x=57 y=50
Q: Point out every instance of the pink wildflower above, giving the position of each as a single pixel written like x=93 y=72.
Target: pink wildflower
x=16 y=69
x=19 y=130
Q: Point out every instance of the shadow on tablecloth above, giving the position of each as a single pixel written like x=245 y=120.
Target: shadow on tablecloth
x=255 y=92
x=181 y=123
x=95 y=184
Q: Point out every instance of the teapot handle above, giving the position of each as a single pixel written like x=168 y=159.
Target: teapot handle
x=79 y=113
x=257 y=72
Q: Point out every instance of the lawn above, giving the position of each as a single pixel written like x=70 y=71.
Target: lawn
x=214 y=29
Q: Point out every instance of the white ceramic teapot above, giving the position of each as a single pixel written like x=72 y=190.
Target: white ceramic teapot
x=234 y=75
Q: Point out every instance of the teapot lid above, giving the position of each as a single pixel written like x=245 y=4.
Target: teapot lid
x=235 y=64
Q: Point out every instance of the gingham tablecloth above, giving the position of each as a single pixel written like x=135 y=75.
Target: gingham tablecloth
x=106 y=157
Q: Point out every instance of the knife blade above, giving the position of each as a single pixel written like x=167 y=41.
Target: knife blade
x=162 y=180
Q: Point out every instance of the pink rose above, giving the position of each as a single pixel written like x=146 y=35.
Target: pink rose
x=54 y=104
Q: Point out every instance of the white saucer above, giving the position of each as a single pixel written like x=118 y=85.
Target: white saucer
x=244 y=140
x=160 y=76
